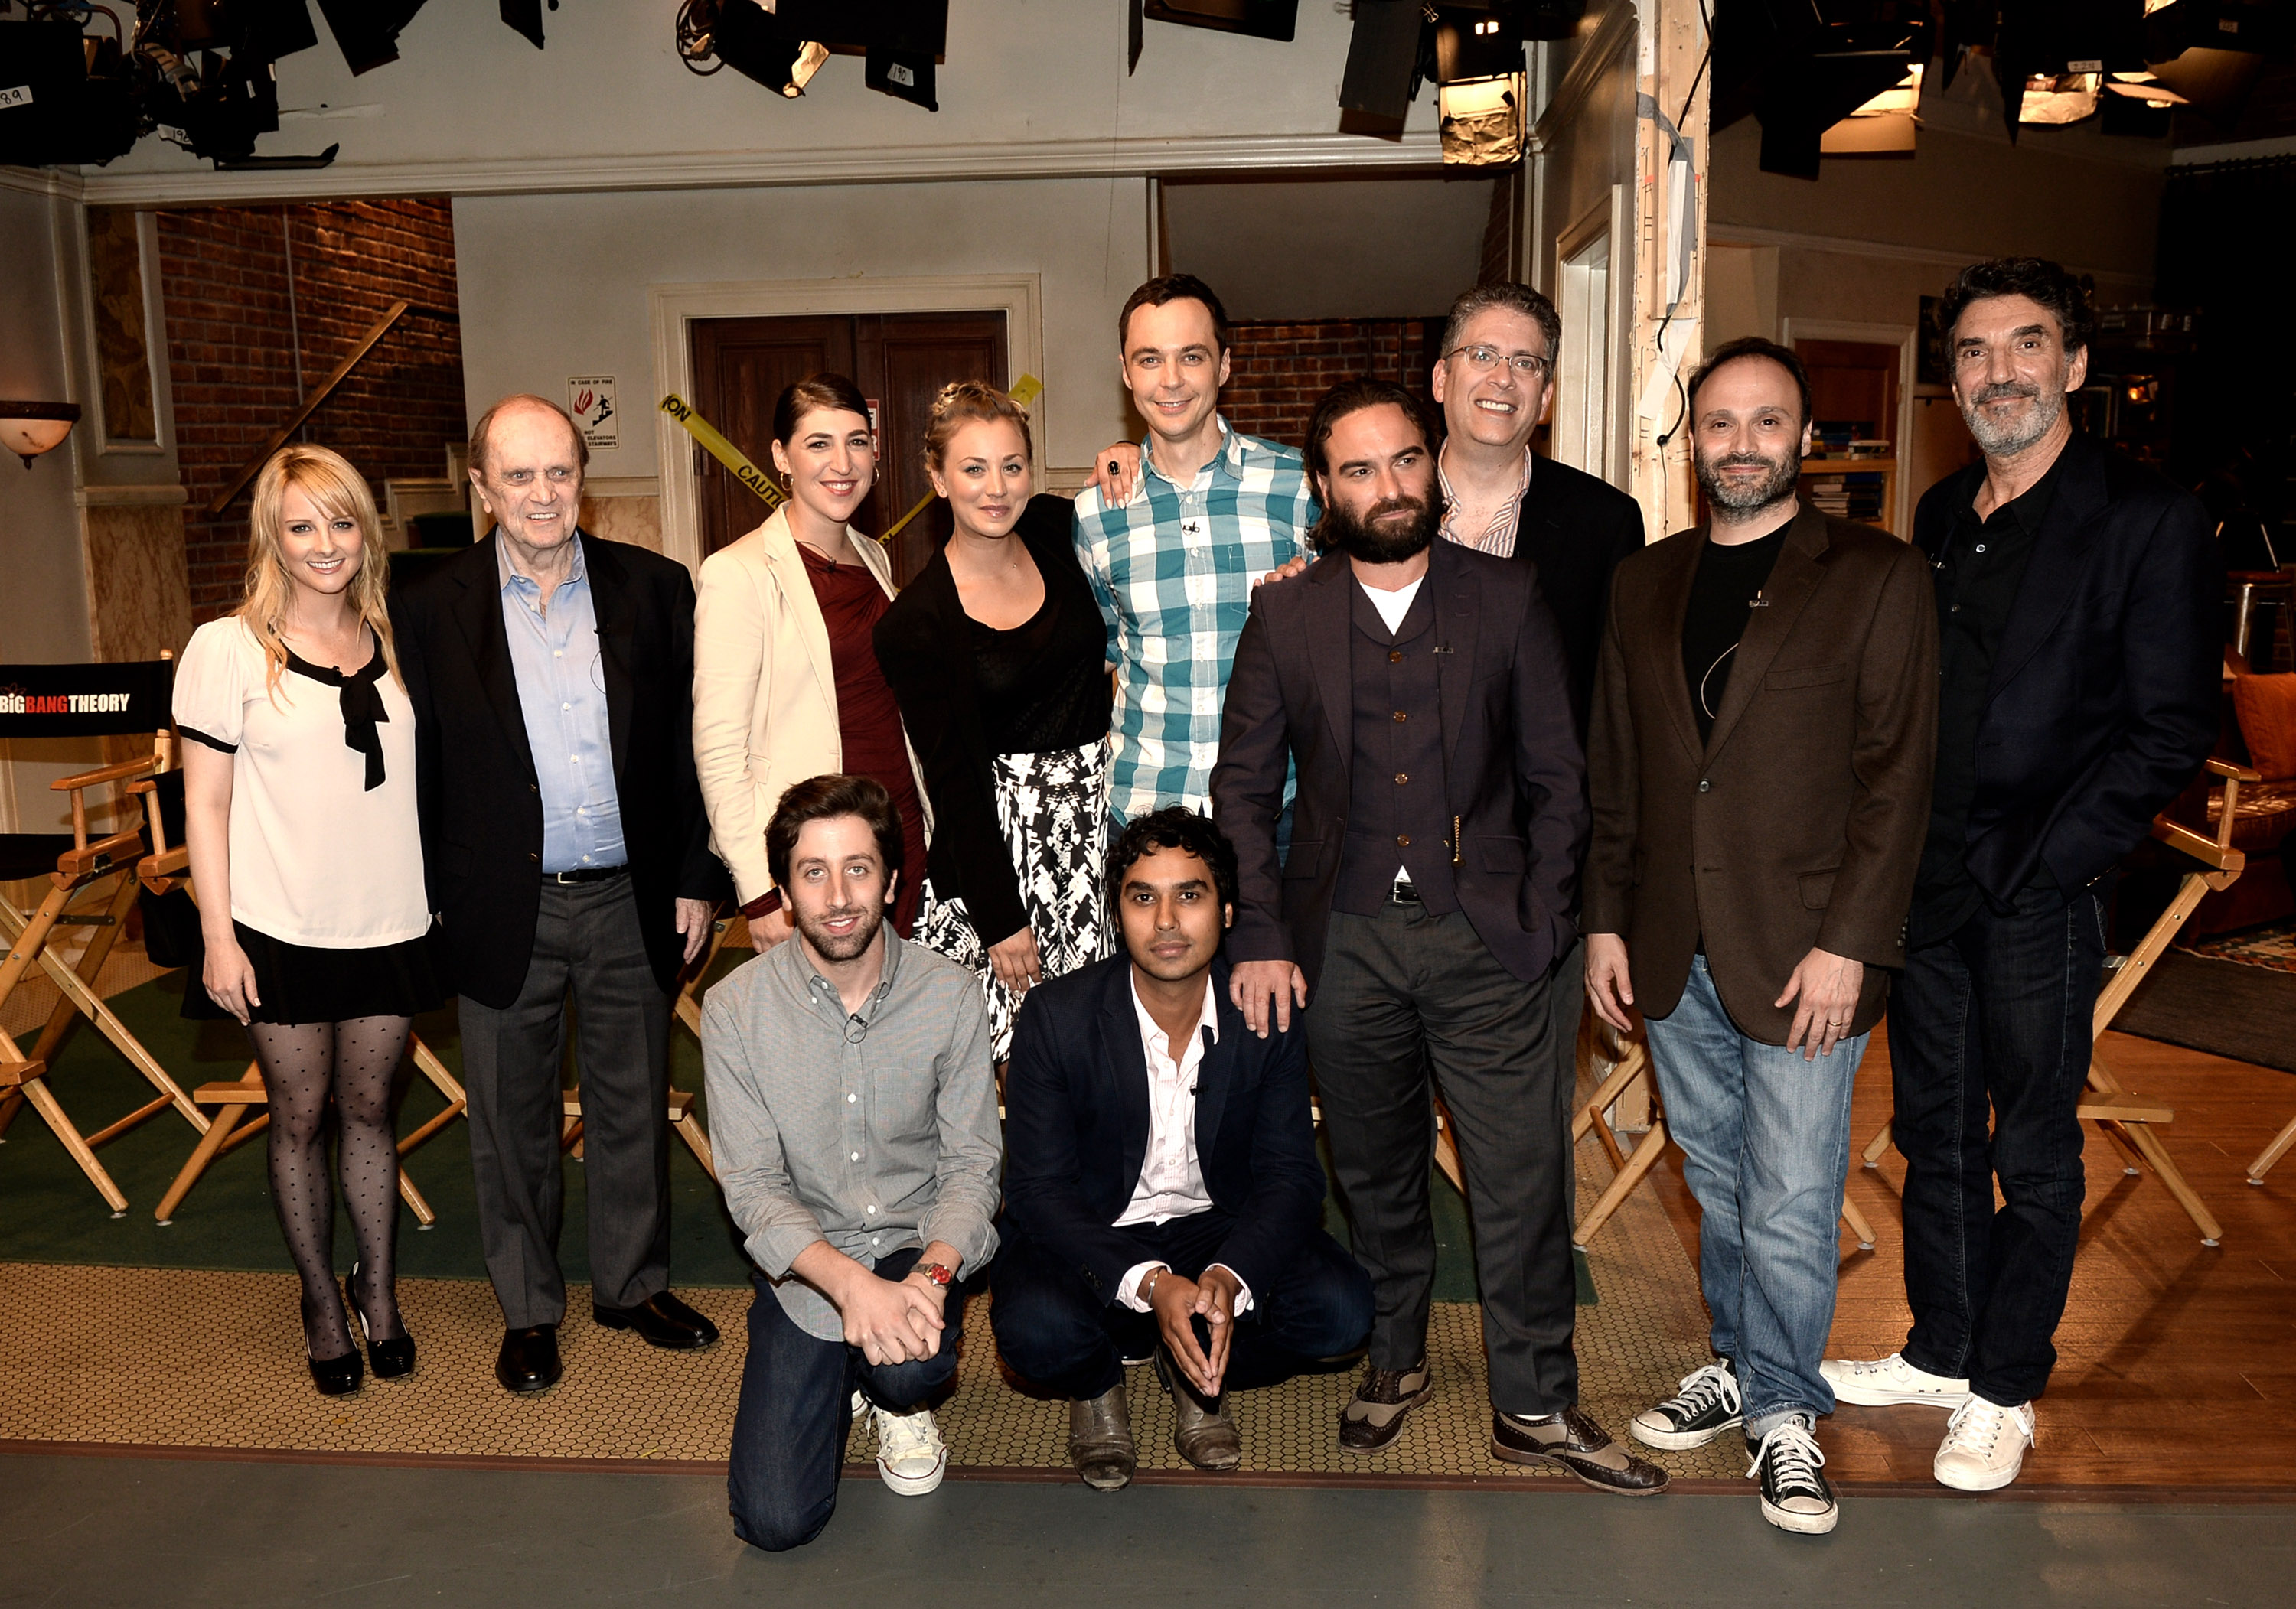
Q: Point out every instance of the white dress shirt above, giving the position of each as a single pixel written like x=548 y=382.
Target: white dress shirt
x=1171 y=1183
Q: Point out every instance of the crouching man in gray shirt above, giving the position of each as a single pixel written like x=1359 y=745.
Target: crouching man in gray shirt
x=854 y=1115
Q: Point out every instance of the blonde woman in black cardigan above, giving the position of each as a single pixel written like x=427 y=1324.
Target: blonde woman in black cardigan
x=997 y=655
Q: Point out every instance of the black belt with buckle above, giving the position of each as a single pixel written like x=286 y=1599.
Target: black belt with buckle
x=1404 y=893
x=587 y=874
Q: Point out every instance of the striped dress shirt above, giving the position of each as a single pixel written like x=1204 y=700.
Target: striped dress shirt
x=1173 y=568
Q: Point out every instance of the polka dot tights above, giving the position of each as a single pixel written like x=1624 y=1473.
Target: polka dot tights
x=355 y=1062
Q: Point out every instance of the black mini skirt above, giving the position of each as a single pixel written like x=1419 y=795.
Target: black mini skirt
x=299 y=983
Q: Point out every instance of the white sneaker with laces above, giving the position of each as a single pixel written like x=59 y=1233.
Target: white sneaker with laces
x=1887 y=1382
x=1985 y=1445
x=1795 y=1497
x=910 y=1455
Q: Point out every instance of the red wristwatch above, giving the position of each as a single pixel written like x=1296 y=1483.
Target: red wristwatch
x=939 y=1273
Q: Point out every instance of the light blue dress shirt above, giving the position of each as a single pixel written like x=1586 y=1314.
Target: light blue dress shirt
x=561 y=690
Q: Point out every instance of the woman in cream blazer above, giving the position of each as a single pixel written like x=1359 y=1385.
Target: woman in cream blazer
x=773 y=667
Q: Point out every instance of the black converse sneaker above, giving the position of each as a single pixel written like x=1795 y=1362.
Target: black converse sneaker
x=1706 y=1405
x=1795 y=1495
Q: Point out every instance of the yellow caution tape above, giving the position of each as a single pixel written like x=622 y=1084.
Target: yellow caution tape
x=725 y=452
x=1025 y=392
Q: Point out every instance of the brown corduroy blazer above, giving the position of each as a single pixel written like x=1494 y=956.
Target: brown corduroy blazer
x=1798 y=824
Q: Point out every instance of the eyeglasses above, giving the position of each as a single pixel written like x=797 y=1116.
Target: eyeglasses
x=1487 y=359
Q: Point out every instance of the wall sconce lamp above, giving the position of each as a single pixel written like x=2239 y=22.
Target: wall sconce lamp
x=30 y=428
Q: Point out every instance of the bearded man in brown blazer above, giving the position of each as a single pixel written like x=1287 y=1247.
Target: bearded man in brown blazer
x=1759 y=754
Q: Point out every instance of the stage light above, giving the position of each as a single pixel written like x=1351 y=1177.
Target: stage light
x=1383 y=74
x=755 y=42
x=1482 y=121
x=1804 y=68
x=1472 y=46
x=30 y=428
x=1260 y=18
x=2056 y=99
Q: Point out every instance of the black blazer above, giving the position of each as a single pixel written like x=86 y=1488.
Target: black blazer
x=1514 y=772
x=1575 y=530
x=2104 y=694
x=1076 y=1128
x=480 y=805
x=924 y=646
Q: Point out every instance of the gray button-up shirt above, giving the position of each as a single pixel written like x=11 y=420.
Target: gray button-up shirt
x=874 y=1132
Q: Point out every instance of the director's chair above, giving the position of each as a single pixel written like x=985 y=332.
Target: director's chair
x=78 y=701
x=163 y=871
x=2125 y=1119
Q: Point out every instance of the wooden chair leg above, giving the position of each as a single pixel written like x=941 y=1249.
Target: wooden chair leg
x=2149 y=1145
x=1859 y=1227
x=209 y=1148
x=1646 y=1153
x=698 y=1143
x=424 y=1215
x=1883 y=1138
x=2272 y=1153
x=43 y=1102
x=1446 y=1157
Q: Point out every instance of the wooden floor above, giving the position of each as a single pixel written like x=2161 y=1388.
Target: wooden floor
x=2177 y=1361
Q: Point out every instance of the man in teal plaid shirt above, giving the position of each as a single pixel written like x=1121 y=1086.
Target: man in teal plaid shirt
x=1211 y=512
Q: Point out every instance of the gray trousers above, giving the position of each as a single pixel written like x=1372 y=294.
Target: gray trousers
x=1407 y=997
x=589 y=954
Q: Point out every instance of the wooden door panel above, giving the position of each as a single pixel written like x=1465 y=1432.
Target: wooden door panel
x=900 y=360
x=916 y=355
x=741 y=367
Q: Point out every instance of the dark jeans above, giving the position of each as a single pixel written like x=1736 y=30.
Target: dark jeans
x=588 y=949
x=1410 y=1002
x=797 y=1412
x=1996 y=1014
x=1055 y=1332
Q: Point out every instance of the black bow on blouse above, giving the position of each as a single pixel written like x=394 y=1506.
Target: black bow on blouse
x=362 y=702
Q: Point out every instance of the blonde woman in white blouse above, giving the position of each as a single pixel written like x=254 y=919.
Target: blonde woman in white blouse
x=300 y=814
x=786 y=684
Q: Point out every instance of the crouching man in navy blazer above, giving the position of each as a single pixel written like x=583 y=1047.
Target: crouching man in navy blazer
x=1162 y=1192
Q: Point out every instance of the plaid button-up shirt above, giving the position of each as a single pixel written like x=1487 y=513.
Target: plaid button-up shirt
x=1173 y=568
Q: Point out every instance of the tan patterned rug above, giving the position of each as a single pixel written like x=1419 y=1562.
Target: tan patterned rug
x=151 y=1358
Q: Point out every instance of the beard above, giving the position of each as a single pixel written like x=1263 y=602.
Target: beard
x=833 y=947
x=1749 y=496
x=1360 y=536
x=2006 y=438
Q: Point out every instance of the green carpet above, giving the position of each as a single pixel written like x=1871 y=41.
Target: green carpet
x=54 y=1215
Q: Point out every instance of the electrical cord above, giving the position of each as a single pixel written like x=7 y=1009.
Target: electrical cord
x=1681 y=418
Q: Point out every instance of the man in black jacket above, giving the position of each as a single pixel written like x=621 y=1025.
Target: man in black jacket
x=567 y=859
x=1162 y=1193
x=2078 y=597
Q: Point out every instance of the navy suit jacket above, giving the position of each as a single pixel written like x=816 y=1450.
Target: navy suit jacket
x=2106 y=692
x=1076 y=1130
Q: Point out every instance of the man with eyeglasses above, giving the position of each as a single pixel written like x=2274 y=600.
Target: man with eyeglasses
x=1495 y=380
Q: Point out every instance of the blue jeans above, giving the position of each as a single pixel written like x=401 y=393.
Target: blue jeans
x=797 y=1412
x=1766 y=1138
x=1995 y=1016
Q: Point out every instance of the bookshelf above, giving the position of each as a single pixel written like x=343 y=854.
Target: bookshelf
x=1863 y=489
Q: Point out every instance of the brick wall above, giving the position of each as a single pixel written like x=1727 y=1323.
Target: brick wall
x=1277 y=370
x=232 y=350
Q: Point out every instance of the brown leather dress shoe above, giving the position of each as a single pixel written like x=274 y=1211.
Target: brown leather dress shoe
x=1100 y=1440
x=1202 y=1431
x=1375 y=1416
x=1572 y=1440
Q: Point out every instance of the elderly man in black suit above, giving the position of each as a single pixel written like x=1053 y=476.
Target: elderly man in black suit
x=1162 y=1193
x=1421 y=689
x=568 y=860
x=2078 y=597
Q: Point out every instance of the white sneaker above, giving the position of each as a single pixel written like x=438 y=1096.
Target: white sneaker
x=1887 y=1382
x=1985 y=1445
x=910 y=1455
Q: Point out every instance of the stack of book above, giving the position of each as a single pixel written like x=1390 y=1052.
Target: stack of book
x=1856 y=496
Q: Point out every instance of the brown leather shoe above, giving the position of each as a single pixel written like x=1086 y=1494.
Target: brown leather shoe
x=1201 y=1430
x=1100 y=1440
x=1375 y=1416
x=1572 y=1440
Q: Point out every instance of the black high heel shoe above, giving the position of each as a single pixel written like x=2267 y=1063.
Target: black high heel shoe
x=333 y=1376
x=391 y=1359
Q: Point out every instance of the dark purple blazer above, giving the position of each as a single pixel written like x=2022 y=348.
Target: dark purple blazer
x=1514 y=773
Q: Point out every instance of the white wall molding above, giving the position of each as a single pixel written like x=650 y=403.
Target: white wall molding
x=131 y=497
x=621 y=485
x=1749 y=235
x=1118 y=157
x=1020 y=297
x=1611 y=36
x=43 y=181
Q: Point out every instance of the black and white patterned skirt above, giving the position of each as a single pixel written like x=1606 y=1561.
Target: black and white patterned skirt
x=1053 y=809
